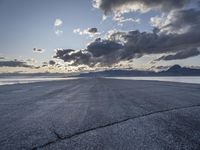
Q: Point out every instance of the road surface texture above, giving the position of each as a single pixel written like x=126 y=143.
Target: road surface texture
x=98 y=114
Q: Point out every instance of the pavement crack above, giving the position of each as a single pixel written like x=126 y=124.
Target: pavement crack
x=59 y=138
x=57 y=135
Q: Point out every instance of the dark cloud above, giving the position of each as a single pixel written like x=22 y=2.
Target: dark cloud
x=181 y=55
x=1 y=57
x=102 y=52
x=44 y=64
x=109 y=6
x=38 y=50
x=179 y=21
x=134 y=44
x=123 y=46
x=61 y=53
x=52 y=62
x=151 y=43
x=15 y=63
x=101 y=47
x=78 y=57
x=93 y=30
x=64 y=54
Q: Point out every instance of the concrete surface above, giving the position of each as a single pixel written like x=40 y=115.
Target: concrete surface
x=96 y=114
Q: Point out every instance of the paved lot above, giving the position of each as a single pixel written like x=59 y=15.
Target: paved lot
x=100 y=114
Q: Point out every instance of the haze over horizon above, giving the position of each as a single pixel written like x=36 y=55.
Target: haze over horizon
x=77 y=36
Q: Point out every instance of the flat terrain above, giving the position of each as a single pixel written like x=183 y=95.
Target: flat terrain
x=96 y=114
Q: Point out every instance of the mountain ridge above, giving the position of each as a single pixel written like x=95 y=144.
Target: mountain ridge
x=175 y=70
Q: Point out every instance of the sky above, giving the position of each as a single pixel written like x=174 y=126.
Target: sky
x=84 y=35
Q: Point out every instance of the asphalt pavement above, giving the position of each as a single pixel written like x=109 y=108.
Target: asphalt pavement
x=100 y=114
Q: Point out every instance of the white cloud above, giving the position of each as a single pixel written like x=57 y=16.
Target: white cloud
x=58 y=32
x=126 y=6
x=31 y=60
x=172 y=23
x=78 y=30
x=58 y=22
x=120 y=7
x=120 y=19
x=91 y=32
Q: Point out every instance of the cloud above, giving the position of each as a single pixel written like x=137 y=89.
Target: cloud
x=1 y=57
x=160 y=68
x=31 y=60
x=125 y=6
x=121 y=19
x=99 y=52
x=76 y=57
x=15 y=63
x=90 y=31
x=52 y=62
x=101 y=47
x=58 y=22
x=77 y=30
x=123 y=46
x=120 y=7
x=58 y=32
x=44 y=64
x=181 y=55
x=178 y=21
x=38 y=50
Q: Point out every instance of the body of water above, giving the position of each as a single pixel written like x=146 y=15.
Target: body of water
x=191 y=79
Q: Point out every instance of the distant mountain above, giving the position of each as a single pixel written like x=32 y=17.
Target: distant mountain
x=117 y=73
x=175 y=70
